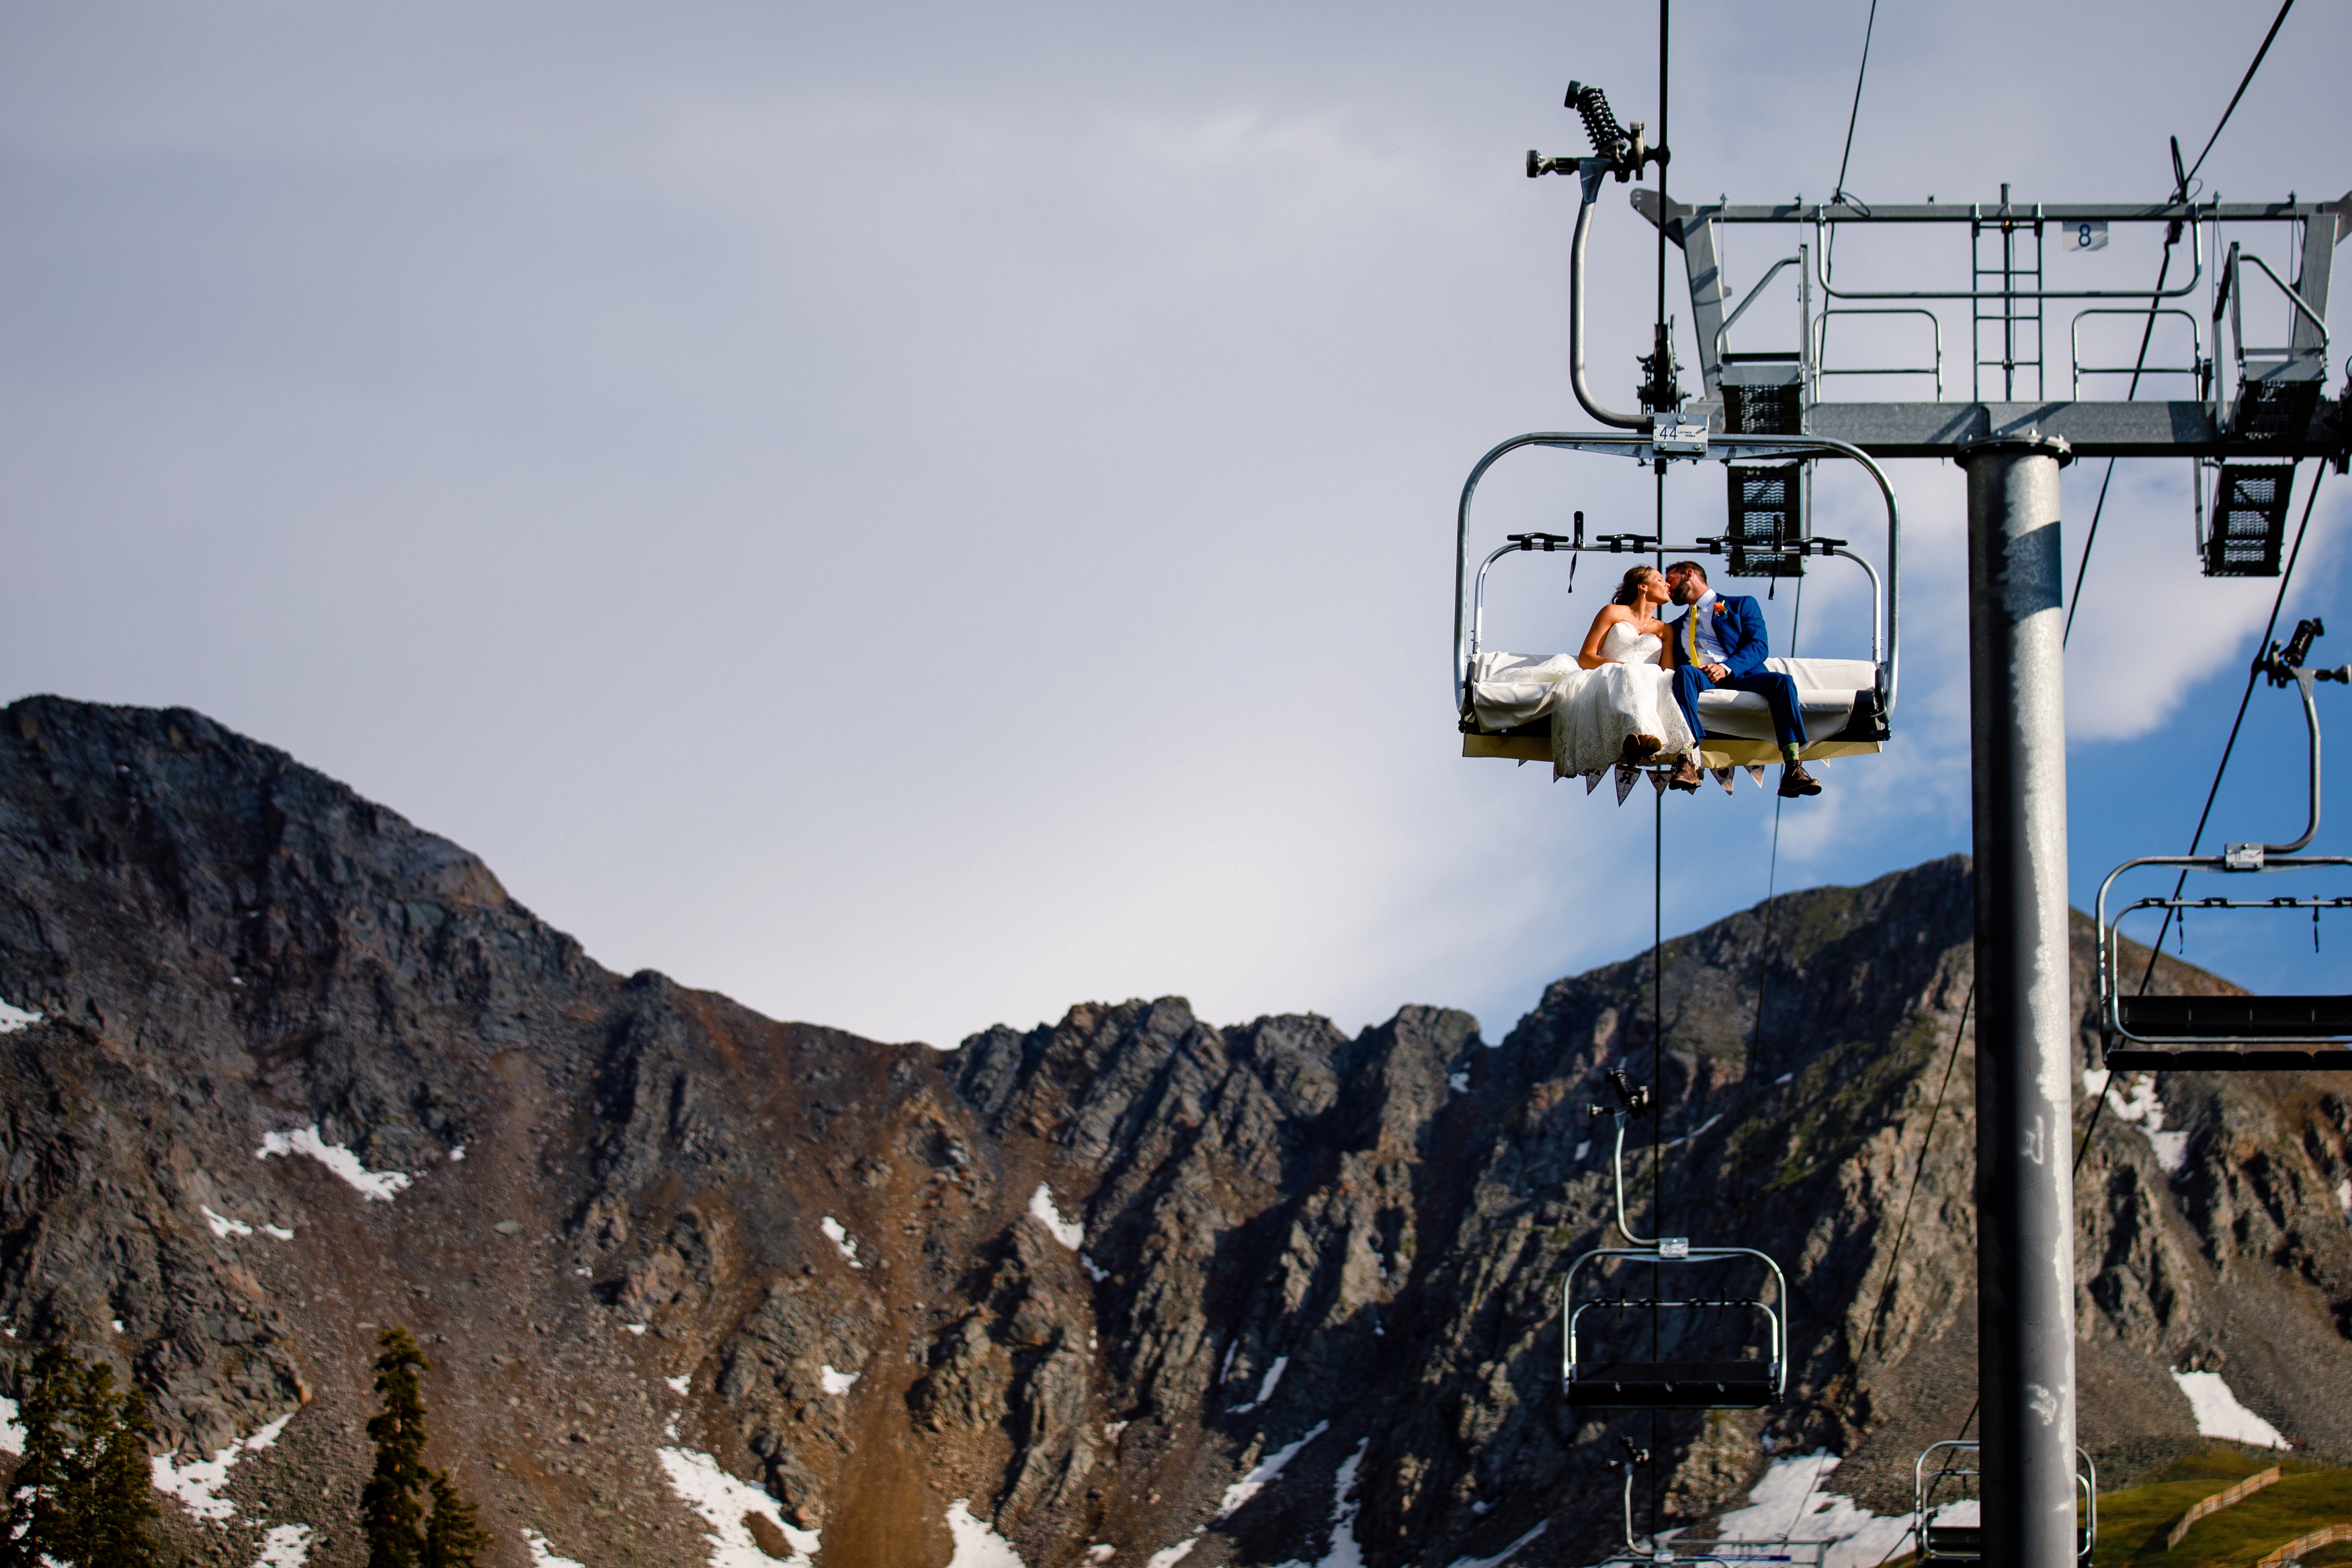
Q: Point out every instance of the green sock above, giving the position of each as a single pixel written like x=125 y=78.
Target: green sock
x=1789 y=752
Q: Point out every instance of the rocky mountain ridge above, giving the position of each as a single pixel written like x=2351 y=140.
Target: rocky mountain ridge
x=702 y=1286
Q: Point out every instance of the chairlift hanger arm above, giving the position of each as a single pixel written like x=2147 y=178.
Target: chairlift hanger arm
x=1590 y=173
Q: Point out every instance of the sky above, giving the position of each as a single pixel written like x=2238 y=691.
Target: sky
x=918 y=515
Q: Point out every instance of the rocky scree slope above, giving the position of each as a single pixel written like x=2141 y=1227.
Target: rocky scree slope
x=700 y=1286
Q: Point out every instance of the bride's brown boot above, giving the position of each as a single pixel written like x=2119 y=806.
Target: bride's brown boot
x=1640 y=749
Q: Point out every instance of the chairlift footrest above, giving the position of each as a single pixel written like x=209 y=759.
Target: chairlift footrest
x=1673 y=1385
x=2172 y=1022
x=2133 y=1057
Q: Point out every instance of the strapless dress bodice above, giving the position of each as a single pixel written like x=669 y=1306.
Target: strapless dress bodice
x=1623 y=644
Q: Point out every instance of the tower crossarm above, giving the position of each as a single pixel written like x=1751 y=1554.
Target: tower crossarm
x=2264 y=403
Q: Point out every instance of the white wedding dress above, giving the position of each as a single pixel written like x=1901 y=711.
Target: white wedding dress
x=1595 y=710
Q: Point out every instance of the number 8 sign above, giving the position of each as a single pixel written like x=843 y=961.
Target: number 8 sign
x=2086 y=235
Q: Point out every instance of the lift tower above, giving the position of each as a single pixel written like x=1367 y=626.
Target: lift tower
x=2247 y=419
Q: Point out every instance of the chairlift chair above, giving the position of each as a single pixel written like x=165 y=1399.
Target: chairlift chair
x=2241 y=1033
x=1958 y=1541
x=1680 y=1551
x=1624 y=1385
x=1849 y=703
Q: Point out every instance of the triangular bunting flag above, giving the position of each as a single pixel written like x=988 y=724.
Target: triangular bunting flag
x=1626 y=774
x=1592 y=780
x=1658 y=777
x=1723 y=777
x=1756 y=771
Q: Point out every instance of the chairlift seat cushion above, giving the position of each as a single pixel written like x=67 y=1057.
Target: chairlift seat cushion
x=2195 y=1019
x=1511 y=689
x=1826 y=691
x=1663 y=1384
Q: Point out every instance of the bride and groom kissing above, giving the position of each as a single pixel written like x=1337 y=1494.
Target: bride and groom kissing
x=1619 y=712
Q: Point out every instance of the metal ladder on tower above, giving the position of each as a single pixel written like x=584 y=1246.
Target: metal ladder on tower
x=2014 y=317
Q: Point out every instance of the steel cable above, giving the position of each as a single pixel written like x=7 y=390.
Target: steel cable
x=2243 y=83
x=2182 y=180
x=2254 y=674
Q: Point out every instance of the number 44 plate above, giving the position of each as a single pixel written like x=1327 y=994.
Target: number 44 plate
x=2085 y=237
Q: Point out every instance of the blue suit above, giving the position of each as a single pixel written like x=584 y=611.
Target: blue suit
x=1739 y=626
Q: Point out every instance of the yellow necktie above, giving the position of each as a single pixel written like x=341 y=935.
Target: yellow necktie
x=1690 y=624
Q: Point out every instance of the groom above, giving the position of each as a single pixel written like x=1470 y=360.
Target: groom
x=1720 y=643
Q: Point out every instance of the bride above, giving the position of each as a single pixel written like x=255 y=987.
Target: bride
x=1618 y=705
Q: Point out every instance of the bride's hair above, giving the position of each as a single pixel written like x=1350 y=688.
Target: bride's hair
x=1629 y=592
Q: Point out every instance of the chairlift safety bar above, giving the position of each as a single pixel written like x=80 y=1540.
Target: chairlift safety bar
x=1619 y=544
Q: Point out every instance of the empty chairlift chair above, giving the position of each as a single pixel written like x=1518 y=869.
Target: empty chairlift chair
x=1600 y=1368
x=2240 y=1032
x=1944 y=1505
x=1680 y=1549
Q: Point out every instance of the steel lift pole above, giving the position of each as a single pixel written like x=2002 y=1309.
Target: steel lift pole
x=2025 y=1021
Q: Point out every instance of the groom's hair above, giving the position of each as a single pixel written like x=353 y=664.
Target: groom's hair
x=1690 y=566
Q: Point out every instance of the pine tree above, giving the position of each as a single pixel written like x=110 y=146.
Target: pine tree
x=123 y=1477
x=390 y=1512
x=399 y=1535
x=36 y=1493
x=79 y=1496
x=454 y=1539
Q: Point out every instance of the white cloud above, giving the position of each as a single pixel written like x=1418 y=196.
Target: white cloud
x=1062 y=415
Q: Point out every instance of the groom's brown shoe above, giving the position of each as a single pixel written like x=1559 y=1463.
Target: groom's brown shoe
x=1687 y=777
x=1795 y=781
